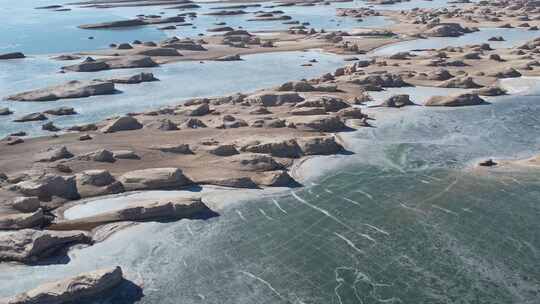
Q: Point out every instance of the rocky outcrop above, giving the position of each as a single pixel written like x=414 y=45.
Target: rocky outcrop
x=466 y=99
x=124 y=123
x=101 y=155
x=460 y=83
x=446 y=30
x=317 y=123
x=72 y=290
x=145 y=211
x=275 y=179
x=48 y=186
x=397 y=101
x=328 y=103
x=490 y=91
x=72 y=89
x=26 y=204
x=273 y=99
x=97 y=182
x=231 y=182
x=223 y=150
x=506 y=73
x=320 y=145
x=173 y=148
x=376 y=82
x=53 y=154
x=28 y=245
x=278 y=148
x=153 y=179
x=22 y=220
x=254 y=162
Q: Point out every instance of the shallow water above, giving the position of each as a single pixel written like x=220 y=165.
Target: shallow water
x=178 y=81
x=513 y=37
x=23 y=29
x=400 y=221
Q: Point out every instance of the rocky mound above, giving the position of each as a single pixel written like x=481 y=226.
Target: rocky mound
x=30 y=245
x=72 y=89
x=466 y=99
x=72 y=290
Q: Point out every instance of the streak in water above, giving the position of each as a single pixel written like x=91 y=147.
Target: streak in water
x=278 y=206
x=251 y=275
x=350 y=243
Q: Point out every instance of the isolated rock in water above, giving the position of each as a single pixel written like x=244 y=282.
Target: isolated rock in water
x=255 y=162
x=66 y=57
x=317 y=123
x=274 y=99
x=506 y=73
x=22 y=220
x=466 y=99
x=138 y=78
x=321 y=145
x=97 y=182
x=72 y=290
x=398 y=101
x=122 y=62
x=61 y=111
x=15 y=55
x=29 y=245
x=26 y=203
x=124 y=123
x=153 y=179
x=5 y=111
x=279 y=148
x=490 y=91
x=53 y=154
x=460 y=83
x=31 y=117
x=487 y=163
x=72 y=89
x=113 y=24
x=275 y=179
